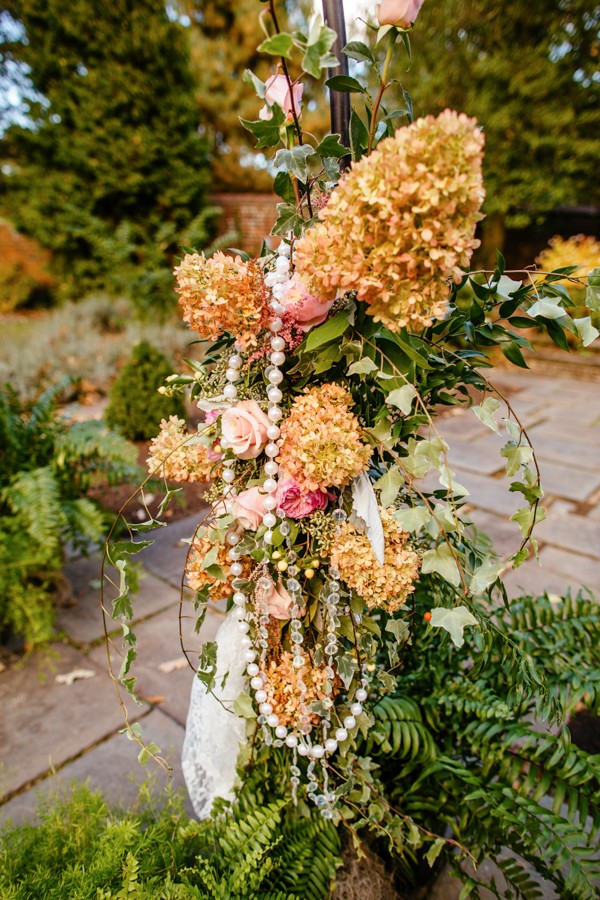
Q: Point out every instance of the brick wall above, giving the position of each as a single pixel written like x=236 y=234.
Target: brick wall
x=251 y=215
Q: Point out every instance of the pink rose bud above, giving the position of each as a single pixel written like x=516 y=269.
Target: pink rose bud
x=249 y=508
x=244 y=426
x=278 y=601
x=306 y=309
x=278 y=91
x=401 y=13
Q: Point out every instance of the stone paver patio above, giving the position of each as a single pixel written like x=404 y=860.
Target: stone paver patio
x=52 y=733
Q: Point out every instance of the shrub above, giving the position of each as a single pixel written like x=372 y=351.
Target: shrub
x=46 y=468
x=135 y=407
x=23 y=270
x=83 y=849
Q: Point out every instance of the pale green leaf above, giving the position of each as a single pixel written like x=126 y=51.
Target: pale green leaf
x=402 y=398
x=547 y=307
x=592 y=294
x=210 y=557
x=485 y=575
x=295 y=161
x=586 y=330
x=454 y=621
x=442 y=561
x=424 y=455
x=389 y=485
x=516 y=456
x=435 y=850
x=513 y=430
x=412 y=519
x=524 y=518
x=399 y=629
x=277 y=45
x=506 y=287
x=448 y=480
x=486 y=413
x=243 y=707
x=362 y=367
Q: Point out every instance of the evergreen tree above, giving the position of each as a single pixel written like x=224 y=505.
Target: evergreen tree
x=528 y=71
x=109 y=170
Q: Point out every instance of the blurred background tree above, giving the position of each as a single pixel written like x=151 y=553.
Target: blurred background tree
x=103 y=163
x=223 y=39
x=529 y=72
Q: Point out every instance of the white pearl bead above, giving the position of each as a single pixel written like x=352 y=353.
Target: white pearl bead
x=235 y=361
x=273 y=432
x=341 y=734
x=261 y=695
x=252 y=669
x=331 y=745
x=318 y=751
x=274 y=394
x=256 y=684
x=268 y=537
x=283 y=249
x=233 y=555
x=245 y=641
x=274 y=414
x=269 y=520
x=361 y=695
x=239 y=598
x=291 y=740
x=272 y=450
x=269 y=502
x=243 y=627
x=273 y=720
x=301 y=750
x=276 y=324
x=249 y=656
x=277 y=343
x=224 y=442
x=239 y=612
x=270 y=486
x=232 y=538
x=281 y=732
x=349 y=722
x=230 y=393
x=236 y=569
x=265 y=709
x=275 y=376
x=277 y=358
x=232 y=375
x=228 y=476
x=271 y=468
x=356 y=709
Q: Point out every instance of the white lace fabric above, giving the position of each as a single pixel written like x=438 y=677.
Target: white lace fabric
x=213 y=731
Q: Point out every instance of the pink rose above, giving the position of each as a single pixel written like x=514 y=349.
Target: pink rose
x=249 y=508
x=398 y=12
x=211 y=416
x=277 y=91
x=278 y=601
x=297 y=505
x=244 y=427
x=307 y=310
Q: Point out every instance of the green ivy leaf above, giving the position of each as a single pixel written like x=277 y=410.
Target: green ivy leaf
x=441 y=561
x=486 y=413
x=435 y=850
x=586 y=330
x=412 y=519
x=516 y=456
x=331 y=147
x=485 y=575
x=362 y=367
x=278 y=45
x=399 y=629
x=546 y=307
x=288 y=220
x=592 y=293
x=243 y=707
x=295 y=161
x=207 y=665
x=255 y=83
x=318 y=54
x=284 y=188
x=402 y=398
x=454 y=621
x=524 y=518
x=389 y=485
x=346 y=666
x=266 y=131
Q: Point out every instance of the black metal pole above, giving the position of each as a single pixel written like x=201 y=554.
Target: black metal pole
x=333 y=14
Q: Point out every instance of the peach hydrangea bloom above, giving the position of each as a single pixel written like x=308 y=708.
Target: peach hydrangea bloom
x=320 y=443
x=283 y=692
x=385 y=586
x=177 y=460
x=222 y=294
x=401 y=223
x=197 y=577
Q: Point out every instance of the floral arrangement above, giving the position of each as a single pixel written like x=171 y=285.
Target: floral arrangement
x=332 y=503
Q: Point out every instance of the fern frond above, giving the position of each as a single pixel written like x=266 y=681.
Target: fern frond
x=35 y=498
x=400 y=732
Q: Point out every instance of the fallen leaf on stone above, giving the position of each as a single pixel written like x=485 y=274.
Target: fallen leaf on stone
x=155 y=698
x=172 y=664
x=75 y=675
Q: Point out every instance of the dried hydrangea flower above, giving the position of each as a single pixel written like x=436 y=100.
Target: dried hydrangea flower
x=384 y=586
x=220 y=294
x=284 y=693
x=401 y=223
x=174 y=458
x=197 y=577
x=320 y=443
